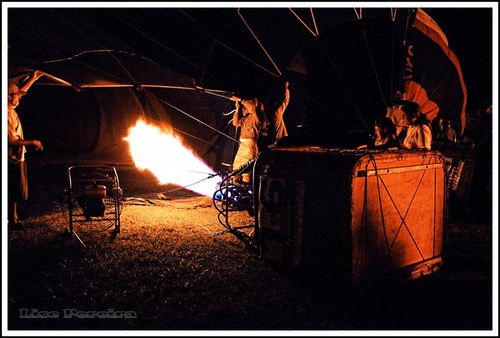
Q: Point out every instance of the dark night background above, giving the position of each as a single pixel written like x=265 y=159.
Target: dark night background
x=470 y=35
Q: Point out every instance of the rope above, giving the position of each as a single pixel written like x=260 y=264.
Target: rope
x=216 y=92
x=159 y=43
x=344 y=86
x=77 y=28
x=199 y=121
x=320 y=104
x=304 y=24
x=191 y=184
x=72 y=58
x=435 y=213
x=133 y=82
x=198 y=138
x=314 y=21
x=372 y=63
x=359 y=14
x=393 y=19
x=403 y=223
x=380 y=202
x=90 y=38
x=216 y=40
x=258 y=41
x=364 y=225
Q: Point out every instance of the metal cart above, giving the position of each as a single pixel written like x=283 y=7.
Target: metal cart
x=95 y=199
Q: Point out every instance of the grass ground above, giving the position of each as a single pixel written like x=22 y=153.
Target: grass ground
x=172 y=267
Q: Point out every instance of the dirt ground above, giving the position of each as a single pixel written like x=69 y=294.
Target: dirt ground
x=174 y=267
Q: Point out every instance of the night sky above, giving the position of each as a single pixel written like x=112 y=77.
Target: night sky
x=469 y=33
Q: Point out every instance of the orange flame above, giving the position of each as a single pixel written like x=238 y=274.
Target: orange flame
x=162 y=153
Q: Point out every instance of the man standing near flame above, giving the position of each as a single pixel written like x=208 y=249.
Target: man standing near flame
x=249 y=117
x=17 y=171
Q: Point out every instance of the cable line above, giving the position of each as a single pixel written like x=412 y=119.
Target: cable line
x=199 y=121
x=260 y=44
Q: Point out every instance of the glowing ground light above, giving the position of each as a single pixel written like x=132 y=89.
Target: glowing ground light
x=162 y=152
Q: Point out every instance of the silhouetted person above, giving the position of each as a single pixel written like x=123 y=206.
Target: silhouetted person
x=385 y=134
x=276 y=128
x=17 y=171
